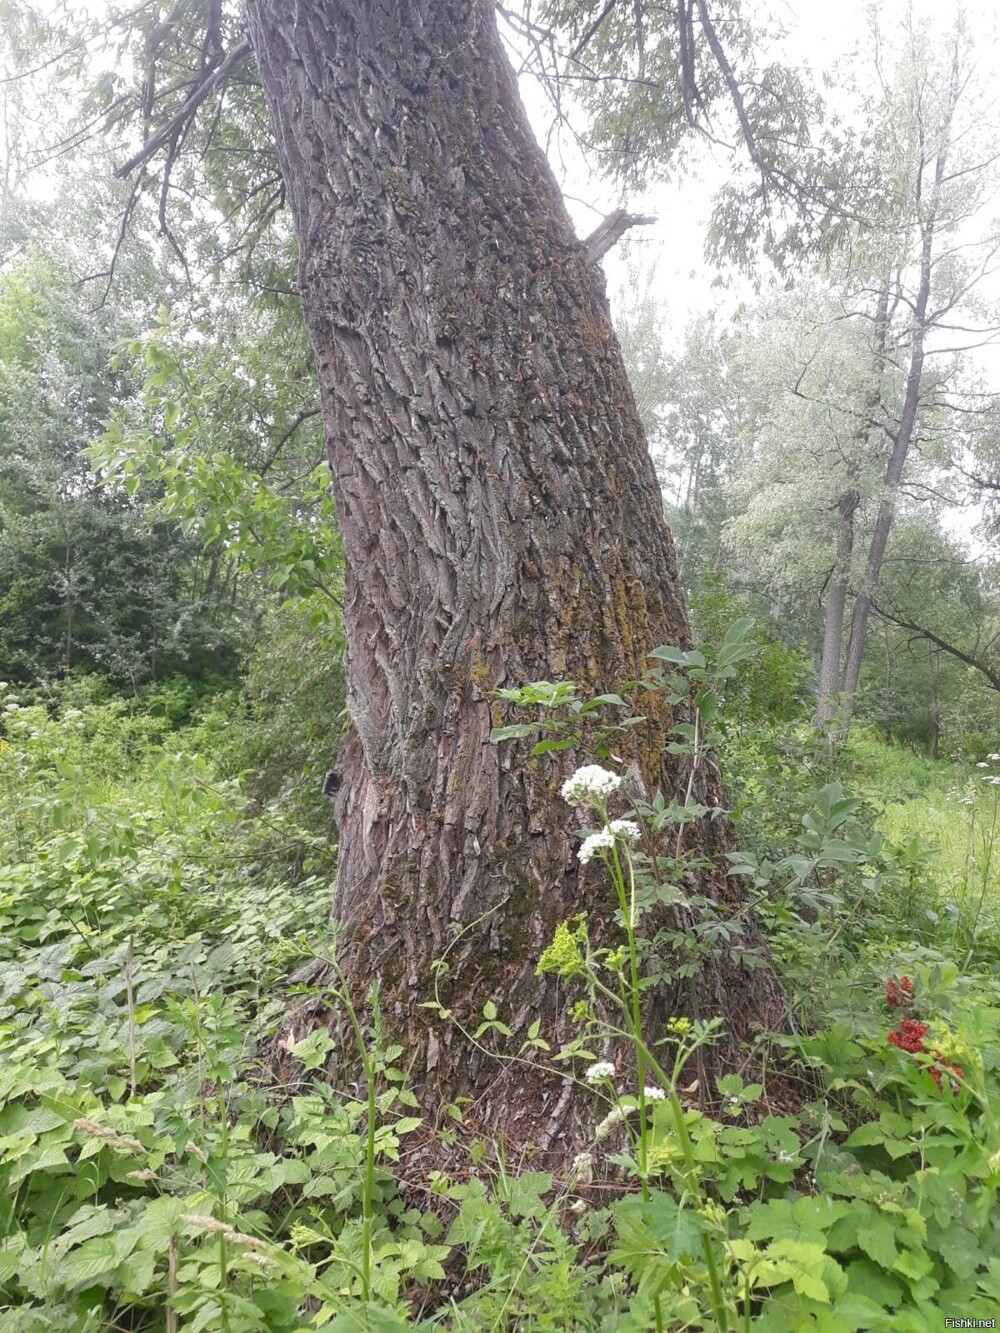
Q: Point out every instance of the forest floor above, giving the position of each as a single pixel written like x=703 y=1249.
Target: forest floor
x=150 y=910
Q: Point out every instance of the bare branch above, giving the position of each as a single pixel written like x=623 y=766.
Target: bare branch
x=611 y=230
x=977 y=663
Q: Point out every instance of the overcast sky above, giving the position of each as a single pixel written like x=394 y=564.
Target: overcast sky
x=819 y=34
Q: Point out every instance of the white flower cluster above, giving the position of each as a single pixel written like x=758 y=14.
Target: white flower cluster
x=603 y=1069
x=654 y=1094
x=993 y=779
x=590 y=783
x=594 y=843
x=625 y=829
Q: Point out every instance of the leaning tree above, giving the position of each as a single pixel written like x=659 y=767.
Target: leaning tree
x=501 y=523
x=501 y=520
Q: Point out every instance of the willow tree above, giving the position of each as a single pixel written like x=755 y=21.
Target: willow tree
x=501 y=522
x=500 y=515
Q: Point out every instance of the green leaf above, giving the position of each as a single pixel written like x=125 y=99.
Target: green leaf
x=367 y=1319
x=654 y=1229
x=96 y=1258
x=878 y=1241
x=546 y=747
x=512 y=733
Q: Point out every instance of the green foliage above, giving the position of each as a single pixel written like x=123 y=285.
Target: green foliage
x=85 y=581
x=282 y=731
x=880 y=1196
x=144 y=1168
x=222 y=433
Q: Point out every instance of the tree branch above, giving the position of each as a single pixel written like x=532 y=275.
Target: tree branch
x=149 y=149
x=992 y=676
x=609 y=232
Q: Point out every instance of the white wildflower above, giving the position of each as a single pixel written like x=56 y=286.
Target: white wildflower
x=982 y=765
x=603 y=1069
x=654 y=1094
x=593 y=843
x=71 y=714
x=590 y=783
x=626 y=829
x=609 y=1122
x=966 y=800
x=993 y=757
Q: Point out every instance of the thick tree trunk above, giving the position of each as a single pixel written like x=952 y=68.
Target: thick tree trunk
x=501 y=524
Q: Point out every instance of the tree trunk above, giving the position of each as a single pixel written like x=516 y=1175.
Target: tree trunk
x=920 y=324
x=828 y=702
x=934 y=737
x=830 y=712
x=501 y=524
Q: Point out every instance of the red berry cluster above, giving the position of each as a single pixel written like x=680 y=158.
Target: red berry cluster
x=909 y=1034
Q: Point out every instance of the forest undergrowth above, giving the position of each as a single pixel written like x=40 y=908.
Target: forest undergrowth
x=152 y=903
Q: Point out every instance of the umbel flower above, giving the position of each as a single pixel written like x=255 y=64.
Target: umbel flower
x=602 y=1070
x=594 y=843
x=590 y=783
x=626 y=829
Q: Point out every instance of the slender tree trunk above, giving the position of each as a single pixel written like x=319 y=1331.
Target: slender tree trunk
x=934 y=740
x=919 y=326
x=828 y=703
x=893 y=476
x=501 y=524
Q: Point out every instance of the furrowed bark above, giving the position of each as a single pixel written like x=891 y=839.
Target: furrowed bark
x=501 y=523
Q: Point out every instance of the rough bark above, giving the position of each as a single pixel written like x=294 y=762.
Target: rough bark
x=501 y=523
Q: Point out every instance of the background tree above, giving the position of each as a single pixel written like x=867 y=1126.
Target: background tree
x=89 y=583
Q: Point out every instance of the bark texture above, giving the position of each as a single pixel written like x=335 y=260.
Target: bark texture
x=501 y=522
